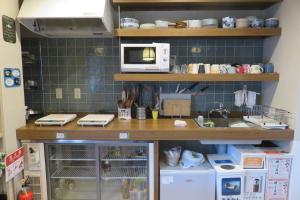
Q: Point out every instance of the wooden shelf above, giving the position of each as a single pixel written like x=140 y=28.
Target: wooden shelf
x=199 y=32
x=195 y=4
x=195 y=77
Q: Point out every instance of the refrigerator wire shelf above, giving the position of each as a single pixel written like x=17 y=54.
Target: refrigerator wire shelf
x=123 y=158
x=128 y=172
x=69 y=172
x=74 y=155
x=136 y=153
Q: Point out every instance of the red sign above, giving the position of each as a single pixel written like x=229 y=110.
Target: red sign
x=14 y=163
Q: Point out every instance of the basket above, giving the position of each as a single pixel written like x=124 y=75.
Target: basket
x=124 y=113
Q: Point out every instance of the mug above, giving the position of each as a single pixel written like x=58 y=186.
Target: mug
x=215 y=69
x=256 y=69
x=195 y=68
x=228 y=22
x=184 y=69
x=176 y=69
x=258 y=23
x=190 y=68
x=201 y=68
x=268 y=68
x=243 y=69
x=231 y=70
x=207 y=68
x=223 y=68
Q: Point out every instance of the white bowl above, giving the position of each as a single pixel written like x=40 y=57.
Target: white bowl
x=210 y=23
x=193 y=23
x=161 y=24
x=129 y=23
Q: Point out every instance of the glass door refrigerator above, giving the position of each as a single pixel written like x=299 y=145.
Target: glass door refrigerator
x=100 y=171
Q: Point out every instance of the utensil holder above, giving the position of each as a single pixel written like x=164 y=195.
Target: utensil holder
x=124 y=113
x=141 y=113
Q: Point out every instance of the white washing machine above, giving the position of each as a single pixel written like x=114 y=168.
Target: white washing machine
x=229 y=177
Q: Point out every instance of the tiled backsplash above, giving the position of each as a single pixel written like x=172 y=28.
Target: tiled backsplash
x=89 y=64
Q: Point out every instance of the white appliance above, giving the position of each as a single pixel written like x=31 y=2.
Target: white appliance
x=67 y=18
x=255 y=181
x=229 y=177
x=253 y=161
x=56 y=119
x=194 y=183
x=96 y=120
x=35 y=169
x=247 y=156
x=279 y=166
x=153 y=57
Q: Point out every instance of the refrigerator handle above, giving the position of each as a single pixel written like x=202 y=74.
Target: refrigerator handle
x=151 y=171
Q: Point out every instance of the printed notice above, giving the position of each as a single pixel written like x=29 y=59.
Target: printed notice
x=14 y=163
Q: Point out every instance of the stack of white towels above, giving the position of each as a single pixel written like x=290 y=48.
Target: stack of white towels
x=245 y=97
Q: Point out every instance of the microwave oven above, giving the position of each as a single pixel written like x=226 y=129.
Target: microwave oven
x=153 y=57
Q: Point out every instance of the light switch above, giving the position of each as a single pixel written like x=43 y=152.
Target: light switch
x=77 y=93
x=58 y=93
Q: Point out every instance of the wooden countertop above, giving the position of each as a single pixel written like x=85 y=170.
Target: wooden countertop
x=162 y=129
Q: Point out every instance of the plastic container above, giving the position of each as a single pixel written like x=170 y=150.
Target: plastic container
x=124 y=113
x=172 y=156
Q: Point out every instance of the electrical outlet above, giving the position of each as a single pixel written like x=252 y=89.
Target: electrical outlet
x=58 y=93
x=77 y=93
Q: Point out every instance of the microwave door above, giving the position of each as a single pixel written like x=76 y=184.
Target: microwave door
x=140 y=58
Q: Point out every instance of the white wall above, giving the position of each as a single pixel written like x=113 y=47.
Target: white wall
x=12 y=100
x=284 y=53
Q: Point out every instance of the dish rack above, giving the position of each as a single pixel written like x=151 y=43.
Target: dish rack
x=268 y=117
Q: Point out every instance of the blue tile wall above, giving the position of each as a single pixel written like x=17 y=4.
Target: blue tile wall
x=89 y=64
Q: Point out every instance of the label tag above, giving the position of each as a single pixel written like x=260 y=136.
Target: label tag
x=60 y=136
x=124 y=136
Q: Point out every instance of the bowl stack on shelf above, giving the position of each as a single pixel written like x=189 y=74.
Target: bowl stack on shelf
x=226 y=23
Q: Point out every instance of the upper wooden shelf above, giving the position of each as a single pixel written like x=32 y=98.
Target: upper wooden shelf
x=199 y=32
x=195 y=4
x=195 y=77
